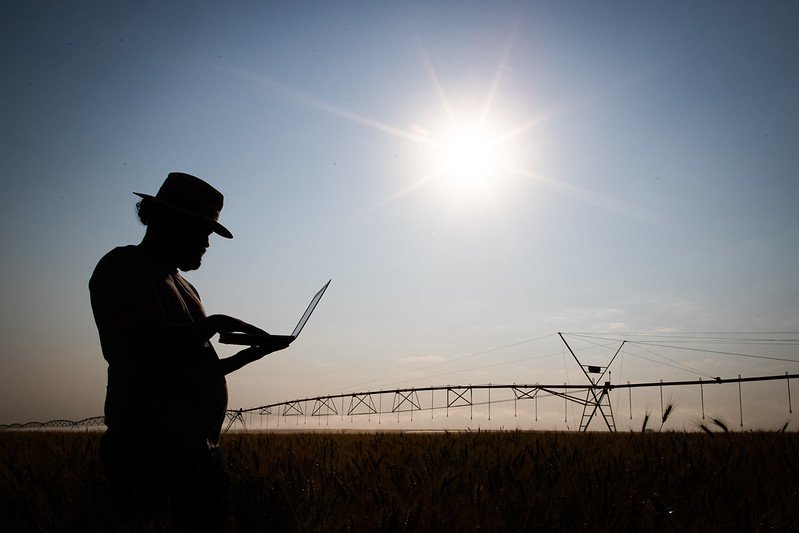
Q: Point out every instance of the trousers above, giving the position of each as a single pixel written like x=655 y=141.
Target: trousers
x=178 y=491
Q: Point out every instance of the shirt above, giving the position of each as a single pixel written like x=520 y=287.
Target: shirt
x=166 y=391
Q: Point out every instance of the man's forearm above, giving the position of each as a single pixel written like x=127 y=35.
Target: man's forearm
x=234 y=362
x=247 y=356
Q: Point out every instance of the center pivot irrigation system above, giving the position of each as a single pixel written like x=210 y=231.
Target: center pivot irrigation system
x=593 y=396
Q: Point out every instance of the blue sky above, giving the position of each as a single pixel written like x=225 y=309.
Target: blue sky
x=646 y=183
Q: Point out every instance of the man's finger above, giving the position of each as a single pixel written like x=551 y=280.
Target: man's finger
x=249 y=328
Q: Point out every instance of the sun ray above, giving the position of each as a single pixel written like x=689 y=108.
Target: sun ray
x=497 y=75
x=590 y=197
x=306 y=98
x=523 y=127
x=442 y=96
x=393 y=197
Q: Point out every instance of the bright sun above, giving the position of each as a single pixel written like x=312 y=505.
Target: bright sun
x=470 y=160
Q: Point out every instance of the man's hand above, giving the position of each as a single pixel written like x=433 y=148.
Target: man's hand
x=253 y=353
x=213 y=324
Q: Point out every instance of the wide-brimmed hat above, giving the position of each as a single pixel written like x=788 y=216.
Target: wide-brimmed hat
x=191 y=196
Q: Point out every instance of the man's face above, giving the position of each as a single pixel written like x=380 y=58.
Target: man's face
x=189 y=243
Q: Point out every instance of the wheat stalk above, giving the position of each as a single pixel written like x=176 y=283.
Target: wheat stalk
x=720 y=423
x=666 y=413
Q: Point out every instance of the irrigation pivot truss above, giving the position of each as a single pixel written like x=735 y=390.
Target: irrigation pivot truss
x=92 y=422
x=594 y=399
x=593 y=396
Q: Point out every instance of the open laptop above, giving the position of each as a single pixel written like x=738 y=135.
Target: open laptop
x=250 y=339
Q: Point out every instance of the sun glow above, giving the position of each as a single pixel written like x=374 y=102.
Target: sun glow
x=470 y=159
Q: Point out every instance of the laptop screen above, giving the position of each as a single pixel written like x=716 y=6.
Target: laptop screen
x=311 y=307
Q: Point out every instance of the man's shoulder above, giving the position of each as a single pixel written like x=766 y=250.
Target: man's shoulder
x=120 y=259
x=121 y=255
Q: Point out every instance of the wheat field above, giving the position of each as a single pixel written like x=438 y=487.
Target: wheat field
x=522 y=481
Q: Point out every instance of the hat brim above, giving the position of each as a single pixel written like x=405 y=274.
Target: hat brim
x=218 y=228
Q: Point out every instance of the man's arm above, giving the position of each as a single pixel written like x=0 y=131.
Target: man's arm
x=133 y=326
x=249 y=355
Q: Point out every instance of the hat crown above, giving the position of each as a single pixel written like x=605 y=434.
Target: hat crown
x=192 y=194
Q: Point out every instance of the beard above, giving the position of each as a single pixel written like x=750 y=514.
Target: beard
x=188 y=261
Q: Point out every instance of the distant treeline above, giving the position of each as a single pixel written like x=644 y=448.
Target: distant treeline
x=447 y=481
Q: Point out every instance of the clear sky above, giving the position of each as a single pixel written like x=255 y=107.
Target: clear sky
x=472 y=175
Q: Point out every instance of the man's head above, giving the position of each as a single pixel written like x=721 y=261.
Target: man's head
x=181 y=217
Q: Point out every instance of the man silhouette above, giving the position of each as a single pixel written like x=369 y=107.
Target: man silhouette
x=166 y=396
